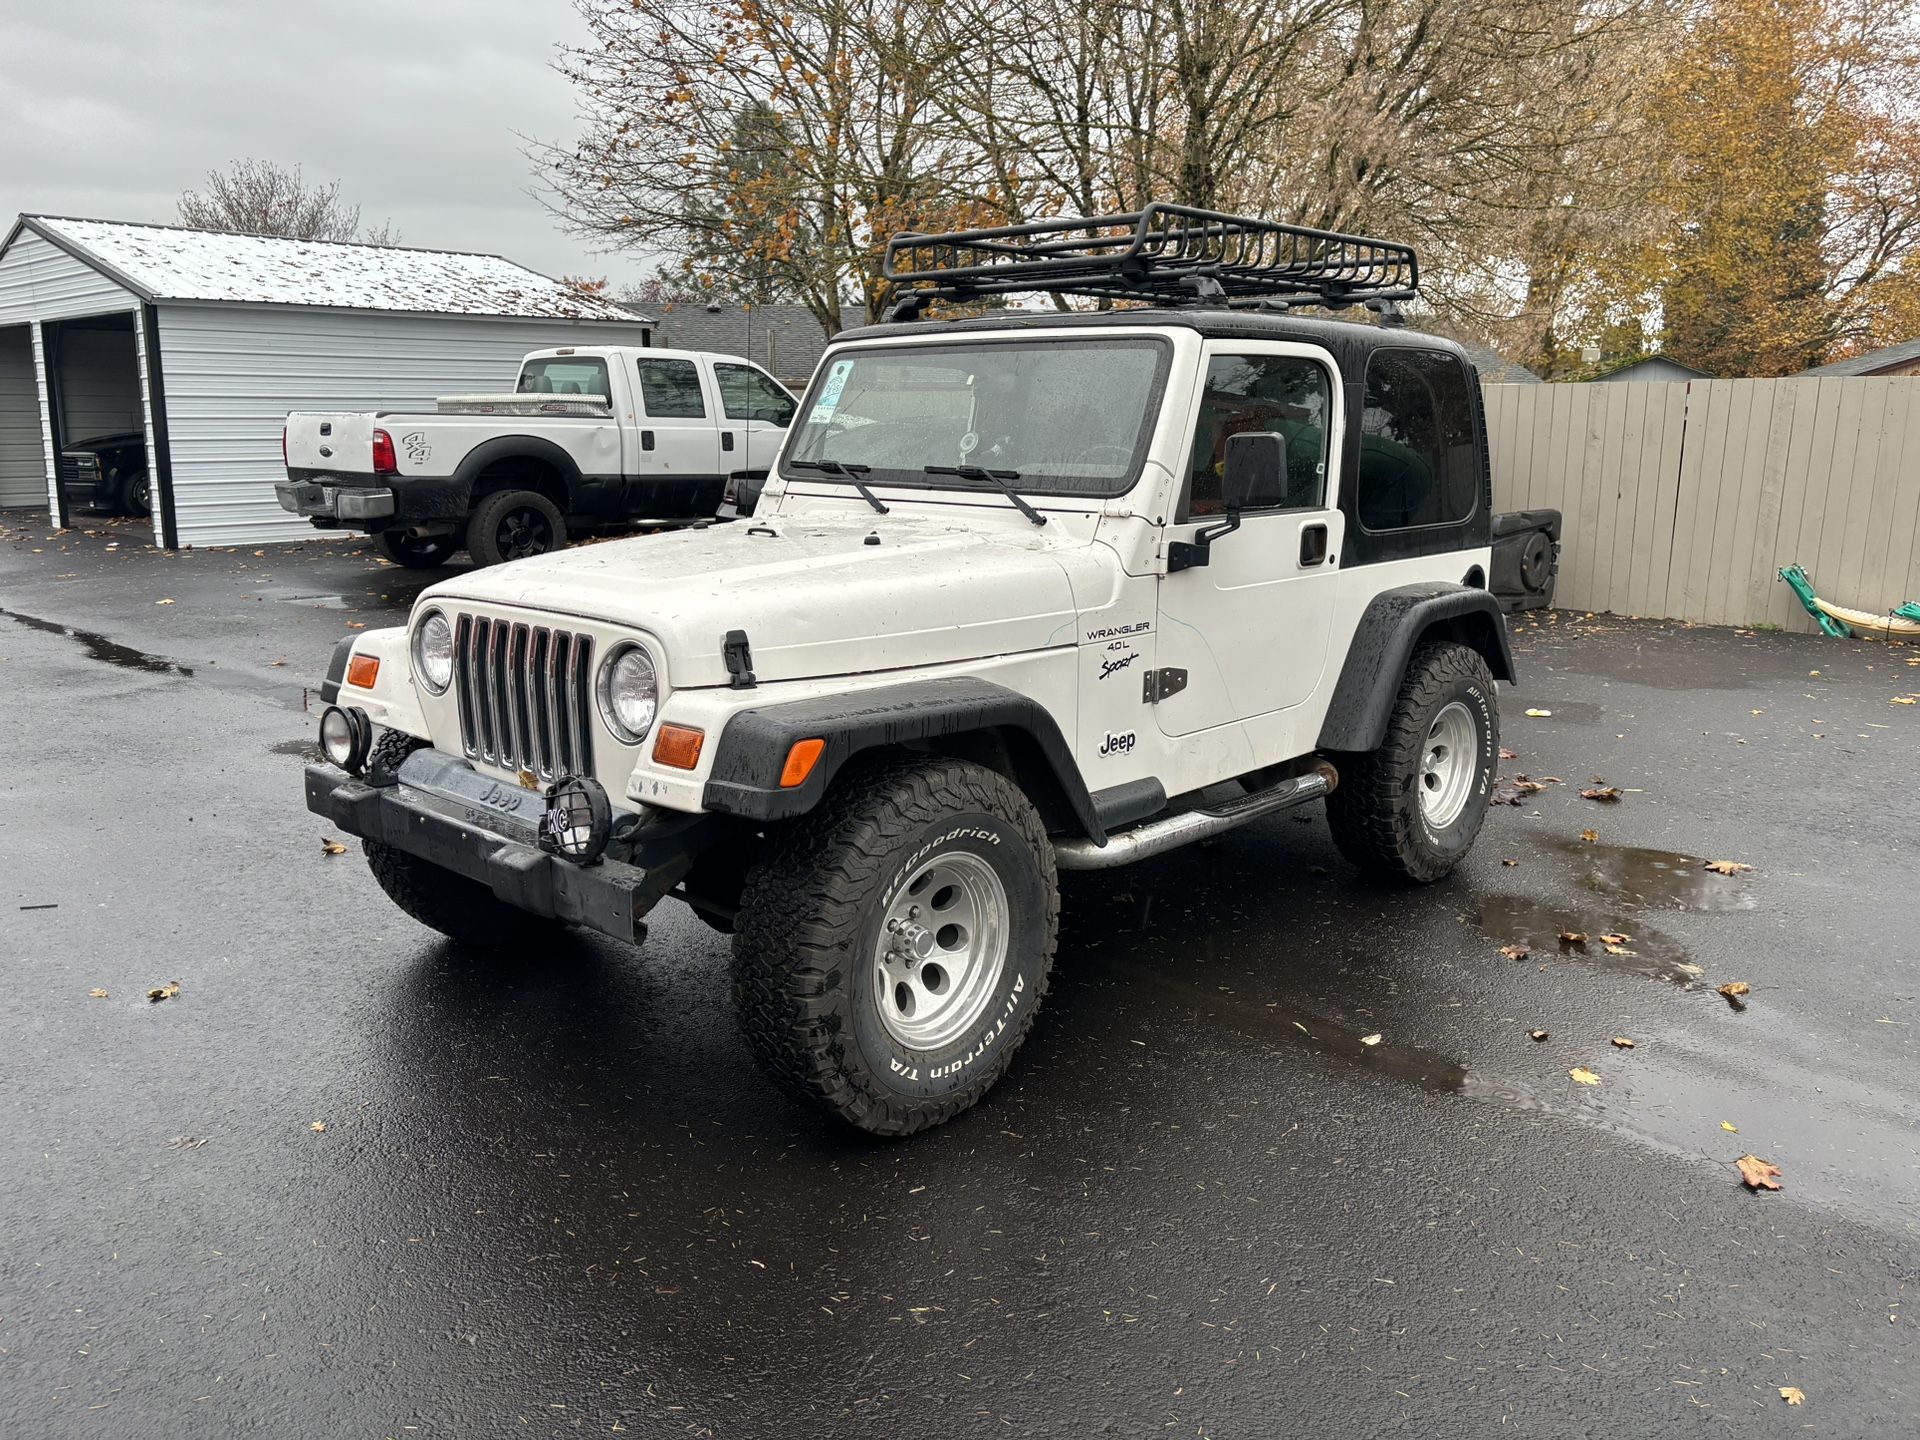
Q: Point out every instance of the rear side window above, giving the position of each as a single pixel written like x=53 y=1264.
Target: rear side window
x=1419 y=460
x=1284 y=394
x=670 y=390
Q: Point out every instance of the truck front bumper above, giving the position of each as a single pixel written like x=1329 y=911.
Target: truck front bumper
x=335 y=502
x=427 y=813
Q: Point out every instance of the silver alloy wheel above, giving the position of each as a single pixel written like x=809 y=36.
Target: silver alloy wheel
x=1447 y=763
x=942 y=947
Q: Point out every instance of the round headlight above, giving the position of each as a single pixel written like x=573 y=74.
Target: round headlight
x=433 y=652
x=629 y=693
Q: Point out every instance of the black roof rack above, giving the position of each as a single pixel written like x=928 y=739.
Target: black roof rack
x=1166 y=254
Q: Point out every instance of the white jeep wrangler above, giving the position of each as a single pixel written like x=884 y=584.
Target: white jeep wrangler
x=1028 y=592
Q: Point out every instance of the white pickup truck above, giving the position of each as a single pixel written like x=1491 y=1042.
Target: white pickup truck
x=591 y=438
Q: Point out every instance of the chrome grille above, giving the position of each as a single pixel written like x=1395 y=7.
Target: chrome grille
x=525 y=696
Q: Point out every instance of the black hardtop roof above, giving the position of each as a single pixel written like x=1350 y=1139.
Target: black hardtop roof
x=1350 y=342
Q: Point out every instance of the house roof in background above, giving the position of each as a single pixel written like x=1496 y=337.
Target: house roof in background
x=166 y=262
x=797 y=341
x=1907 y=352
x=1495 y=368
x=1662 y=365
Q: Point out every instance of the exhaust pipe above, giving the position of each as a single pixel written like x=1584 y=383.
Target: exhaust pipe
x=1158 y=836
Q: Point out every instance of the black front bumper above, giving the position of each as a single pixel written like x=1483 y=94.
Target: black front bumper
x=612 y=896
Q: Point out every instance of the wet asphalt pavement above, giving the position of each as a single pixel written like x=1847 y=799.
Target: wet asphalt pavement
x=552 y=1197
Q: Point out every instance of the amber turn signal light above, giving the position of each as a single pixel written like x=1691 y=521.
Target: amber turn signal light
x=801 y=759
x=362 y=671
x=678 y=746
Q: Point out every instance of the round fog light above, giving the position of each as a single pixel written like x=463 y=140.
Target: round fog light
x=577 y=821
x=346 y=736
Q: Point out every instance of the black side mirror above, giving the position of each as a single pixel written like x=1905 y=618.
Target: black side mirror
x=1256 y=471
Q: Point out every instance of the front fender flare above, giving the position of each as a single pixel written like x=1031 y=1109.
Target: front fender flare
x=946 y=716
x=1395 y=621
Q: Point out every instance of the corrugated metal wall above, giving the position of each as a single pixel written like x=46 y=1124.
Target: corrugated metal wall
x=230 y=375
x=99 y=379
x=1682 y=501
x=23 y=469
x=40 y=281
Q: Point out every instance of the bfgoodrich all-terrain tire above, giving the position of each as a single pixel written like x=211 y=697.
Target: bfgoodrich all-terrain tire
x=1412 y=807
x=463 y=910
x=893 y=946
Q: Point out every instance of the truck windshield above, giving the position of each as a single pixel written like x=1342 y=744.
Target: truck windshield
x=1059 y=417
x=565 y=375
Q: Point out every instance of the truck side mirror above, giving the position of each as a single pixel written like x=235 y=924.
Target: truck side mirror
x=1256 y=471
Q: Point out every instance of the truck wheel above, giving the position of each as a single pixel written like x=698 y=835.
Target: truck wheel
x=463 y=910
x=135 y=494
x=416 y=552
x=513 y=525
x=1412 y=807
x=892 y=948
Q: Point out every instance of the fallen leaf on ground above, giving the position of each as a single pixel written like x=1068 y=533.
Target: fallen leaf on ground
x=1540 y=714
x=1793 y=1395
x=1573 y=937
x=1609 y=793
x=1730 y=1127
x=330 y=846
x=164 y=992
x=1590 y=836
x=1537 y=1034
x=1583 y=1076
x=356 y=624
x=1724 y=867
x=318 y=1127
x=1623 y=1042
x=185 y=1142
x=1369 y=1039
x=1614 y=937
x=1736 y=992
x=1757 y=1174
x=1509 y=863
x=1620 y=950
x=169 y=602
x=1904 y=700
x=96 y=994
x=1506 y=754
x=277 y=663
x=1516 y=952
x=1507 y=792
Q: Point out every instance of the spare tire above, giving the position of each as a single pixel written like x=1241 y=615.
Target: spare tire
x=1526 y=558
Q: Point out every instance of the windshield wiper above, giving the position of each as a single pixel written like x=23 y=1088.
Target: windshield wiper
x=850 y=473
x=1002 y=478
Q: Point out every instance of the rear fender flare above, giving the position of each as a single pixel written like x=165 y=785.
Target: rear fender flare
x=1394 y=623
x=489 y=453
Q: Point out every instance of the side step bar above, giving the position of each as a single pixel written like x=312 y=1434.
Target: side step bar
x=1158 y=836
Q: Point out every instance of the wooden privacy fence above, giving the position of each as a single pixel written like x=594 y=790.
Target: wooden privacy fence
x=1682 y=500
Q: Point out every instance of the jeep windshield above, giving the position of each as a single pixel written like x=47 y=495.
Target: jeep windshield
x=1059 y=417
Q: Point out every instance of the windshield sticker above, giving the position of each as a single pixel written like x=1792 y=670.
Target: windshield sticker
x=830 y=389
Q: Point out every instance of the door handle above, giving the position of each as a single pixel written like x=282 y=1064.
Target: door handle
x=726 y=439
x=1313 y=544
x=646 y=439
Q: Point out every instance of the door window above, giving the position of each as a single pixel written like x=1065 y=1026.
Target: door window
x=746 y=394
x=1285 y=394
x=1419 y=461
x=670 y=390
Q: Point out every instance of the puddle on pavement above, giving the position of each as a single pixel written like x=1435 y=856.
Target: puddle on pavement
x=103 y=649
x=1432 y=1072
x=1512 y=920
x=1656 y=879
x=305 y=749
x=317 y=602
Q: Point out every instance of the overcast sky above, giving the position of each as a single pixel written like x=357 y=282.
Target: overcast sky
x=110 y=108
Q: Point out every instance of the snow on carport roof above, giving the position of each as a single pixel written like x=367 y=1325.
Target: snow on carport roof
x=165 y=262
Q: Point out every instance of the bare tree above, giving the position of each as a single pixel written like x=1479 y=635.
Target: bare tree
x=258 y=197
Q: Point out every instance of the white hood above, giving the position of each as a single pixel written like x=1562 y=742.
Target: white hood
x=813 y=595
